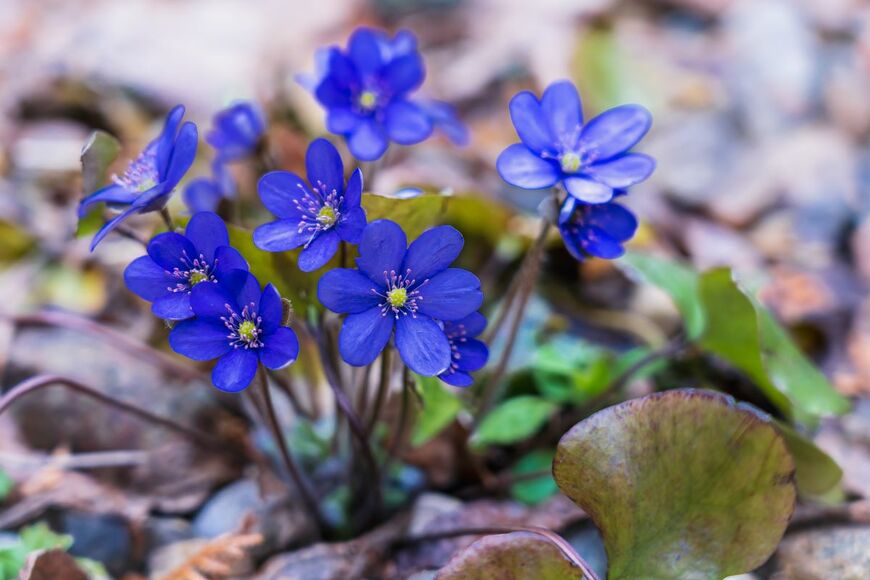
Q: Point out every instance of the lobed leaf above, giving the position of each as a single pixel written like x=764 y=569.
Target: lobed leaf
x=440 y=407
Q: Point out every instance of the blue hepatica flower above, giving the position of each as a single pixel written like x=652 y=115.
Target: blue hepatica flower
x=591 y=160
x=365 y=90
x=177 y=263
x=595 y=230
x=237 y=130
x=206 y=193
x=409 y=288
x=317 y=216
x=239 y=325
x=151 y=177
x=468 y=354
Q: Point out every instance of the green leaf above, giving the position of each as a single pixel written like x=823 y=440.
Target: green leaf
x=514 y=556
x=513 y=420
x=40 y=537
x=534 y=491
x=415 y=214
x=816 y=473
x=98 y=154
x=742 y=332
x=6 y=485
x=678 y=281
x=440 y=407
x=572 y=371
x=681 y=484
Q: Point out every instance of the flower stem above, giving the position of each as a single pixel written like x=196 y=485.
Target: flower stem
x=40 y=381
x=528 y=276
x=167 y=219
x=308 y=498
x=383 y=388
x=287 y=386
x=399 y=436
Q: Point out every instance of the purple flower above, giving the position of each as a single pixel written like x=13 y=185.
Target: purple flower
x=409 y=288
x=206 y=193
x=592 y=160
x=176 y=263
x=365 y=90
x=237 y=131
x=468 y=354
x=151 y=177
x=240 y=326
x=316 y=216
x=595 y=230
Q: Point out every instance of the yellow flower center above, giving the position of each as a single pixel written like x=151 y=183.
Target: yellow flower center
x=367 y=100
x=247 y=331
x=397 y=297
x=570 y=162
x=196 y=276
x=326 y=216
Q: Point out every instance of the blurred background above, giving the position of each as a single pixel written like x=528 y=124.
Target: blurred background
x=762 y=118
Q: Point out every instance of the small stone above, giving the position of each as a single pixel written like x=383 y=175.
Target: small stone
x=820 y=554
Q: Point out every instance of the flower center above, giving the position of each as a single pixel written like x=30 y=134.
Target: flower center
x=326 y=216
x=194 y=277
x=368 y=100
x=141 y=174
x=397 y=297
x=401 y=295
x=244 y=327
x=194 y=271
x=570 y=162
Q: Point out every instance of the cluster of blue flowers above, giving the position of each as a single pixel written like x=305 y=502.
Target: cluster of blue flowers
x=408 y=294
x=591 y=162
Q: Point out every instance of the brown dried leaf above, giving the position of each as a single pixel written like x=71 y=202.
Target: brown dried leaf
x=217 y=558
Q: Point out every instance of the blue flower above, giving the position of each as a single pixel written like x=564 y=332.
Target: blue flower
x=237 y=131
x=409 y=288
x=468 y=354
x=365 y=90
x=176 y=263
x=239 y=325
x=591 y=160
x=443 y=116
x=151 y=177
x=316 y=216
x=595 y=229
x=206 y=193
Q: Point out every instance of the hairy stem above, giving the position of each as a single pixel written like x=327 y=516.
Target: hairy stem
x=40 y=381
x=167 y=219
x=383 y=388
x=399 y=436
x=308 y=498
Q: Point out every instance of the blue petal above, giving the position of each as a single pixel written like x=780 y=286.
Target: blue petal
x=531 y=124
x=342 y=71
x=364 y=48
x=207 y=232
x=444 y=117
x=588 y=191
x=451 y=295
x=280 y=236
x=281 y=349
x=618 y=222
x=615 y=131
x=323 y=164
x=171 y=250
x=199 y=339
x=407 y=123
x=244 y=286
x=321 y=249
x=561 y=107
x=403 y=42
x=457 y=379
x=566 y=212
x=364 y=335
x=404 y=74
x=422 y=345
x=623 y=171
x=381 y=250
x=519 y=166
x=471 y=355
x=209 y=300
x=270 y=309
x=433 y=252
x=146 y=279
x=173 y=306
x=202 y=194
x=111 y=225
x=353 y=193
x=112 y=194
x=182 y=156
x=347 y=291
x=351 y=225
x=368 y=141
x=235 y=370
x=163 y=145
x=599 y=243
x=342 y=120
x=471 y=325
x=333 y=94
x=226 y=259
x=279 y=191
